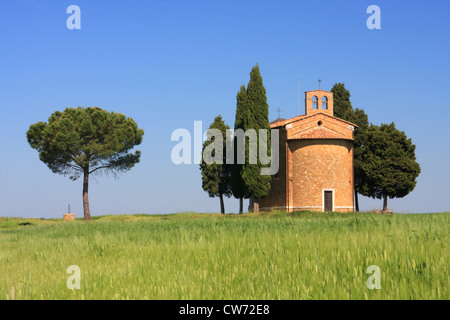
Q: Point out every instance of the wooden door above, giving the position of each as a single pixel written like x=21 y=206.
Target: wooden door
x=328 y=201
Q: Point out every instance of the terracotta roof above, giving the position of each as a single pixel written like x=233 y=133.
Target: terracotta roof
x=278 y=120
x=285 y=122
x=319 y=133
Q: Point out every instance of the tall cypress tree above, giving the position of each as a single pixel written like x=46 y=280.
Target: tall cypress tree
x=341 y=102
x=256 y=117
x=343 y=109
x=237 y=183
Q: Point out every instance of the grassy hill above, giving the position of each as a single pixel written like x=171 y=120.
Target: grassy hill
x=277 y=255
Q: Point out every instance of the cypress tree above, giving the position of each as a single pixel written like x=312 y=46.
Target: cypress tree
x=343 y=109
x=360 y=137
x=237 y=183
x=216 y=175
x=341 y=102
x=256 y=117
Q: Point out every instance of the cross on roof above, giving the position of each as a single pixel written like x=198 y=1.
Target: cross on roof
x=319 y=83
x=278 y=110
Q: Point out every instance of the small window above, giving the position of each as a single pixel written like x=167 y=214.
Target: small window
x=314 y=102
x=319 y=123
x=324 y=103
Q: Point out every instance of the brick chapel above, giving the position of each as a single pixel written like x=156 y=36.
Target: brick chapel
x=316 y=160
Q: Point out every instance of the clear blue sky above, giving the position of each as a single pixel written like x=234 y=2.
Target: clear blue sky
x=169 y=63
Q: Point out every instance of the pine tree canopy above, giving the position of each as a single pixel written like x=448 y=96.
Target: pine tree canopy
x=81 y=139
x=388 y=163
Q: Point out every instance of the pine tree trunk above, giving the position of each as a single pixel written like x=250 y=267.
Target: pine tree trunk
x=385 y=202
x=87 y=213
x=356 y=201
x=222 y=205
x=241 y=205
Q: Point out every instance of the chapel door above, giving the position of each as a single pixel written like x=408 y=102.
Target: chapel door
x=328 y=200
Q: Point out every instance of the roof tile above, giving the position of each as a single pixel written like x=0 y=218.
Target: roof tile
x=318 y=133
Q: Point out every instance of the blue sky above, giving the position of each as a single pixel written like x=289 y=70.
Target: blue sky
x=167 y=64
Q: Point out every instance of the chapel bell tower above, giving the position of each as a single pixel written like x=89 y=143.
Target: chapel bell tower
x=318 y=101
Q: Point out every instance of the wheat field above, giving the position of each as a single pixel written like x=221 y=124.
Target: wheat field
x=274 y=256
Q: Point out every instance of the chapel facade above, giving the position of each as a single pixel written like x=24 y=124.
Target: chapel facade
x=315 y=160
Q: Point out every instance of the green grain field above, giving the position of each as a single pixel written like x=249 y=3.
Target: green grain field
x=211 y=256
